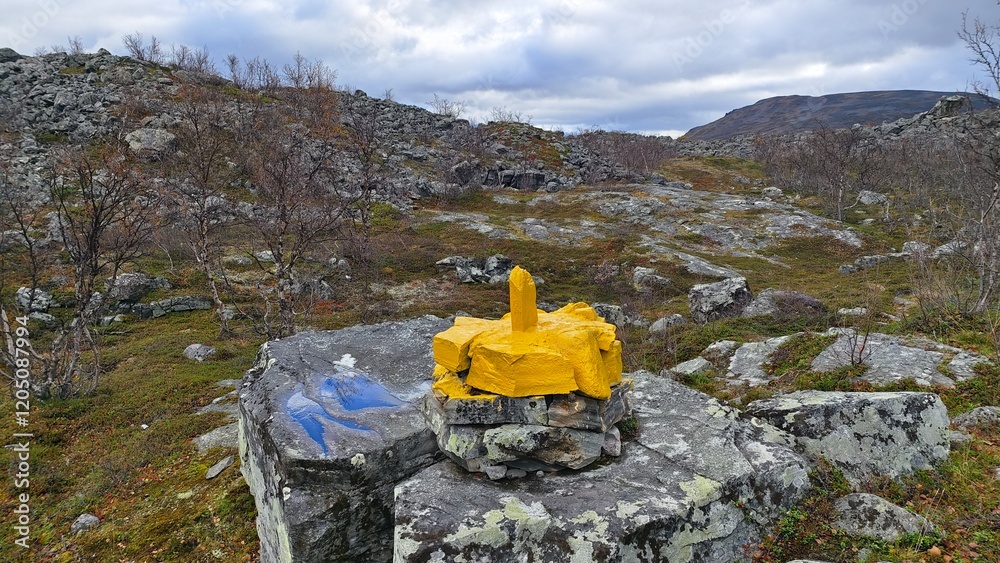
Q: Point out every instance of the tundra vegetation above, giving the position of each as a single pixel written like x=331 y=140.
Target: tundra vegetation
x=278 y=198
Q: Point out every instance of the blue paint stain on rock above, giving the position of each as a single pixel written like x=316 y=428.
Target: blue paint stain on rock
x=346 y=390
x=310 y=415
x=355 y=391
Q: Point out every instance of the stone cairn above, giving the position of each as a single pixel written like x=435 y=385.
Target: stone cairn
x=533 y=391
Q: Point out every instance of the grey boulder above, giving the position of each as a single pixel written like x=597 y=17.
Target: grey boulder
x=329 y=422
x=862 y=514
x=199 y=352
x=712 y=301
x=864 y=434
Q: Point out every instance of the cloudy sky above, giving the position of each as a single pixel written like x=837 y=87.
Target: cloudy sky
x=654 y=66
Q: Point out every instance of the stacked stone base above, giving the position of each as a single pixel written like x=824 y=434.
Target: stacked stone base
x=512 y=436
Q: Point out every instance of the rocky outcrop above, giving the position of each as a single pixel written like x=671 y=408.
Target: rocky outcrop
x=170 y=305
x=494 y=269
x=328 y=424
x=890 y=359
x=131 y=287
x=863 y=434
x=712 y=301
x=699 y=483
x=784 y=304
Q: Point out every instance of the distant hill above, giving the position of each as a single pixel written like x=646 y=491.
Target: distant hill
x=790 y=114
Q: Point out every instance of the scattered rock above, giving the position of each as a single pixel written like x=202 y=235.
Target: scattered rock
x=219 y=467
x=157 y=309
x=663 y=324
x=864 y=434
x=784 y=304
x=645 y=279
x=199 y=352
x=221 y=437
x=977 y=418
x=713 y=301
x=697 y=366
x=131 y=287
x=862 y=514
x=150 y=142
x=746 y=365
x=37 y=301
x=957 y=439
x=852 y=311
x=492 y=270
x=613 y=314
x=868 y=197
x=83 y=523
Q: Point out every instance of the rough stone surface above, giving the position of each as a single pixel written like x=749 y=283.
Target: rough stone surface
x=675 y=494
x=41 y=303
x=746 y=366
x=150 y=141
x=83 y=523
x=785 y=304
x=978 y=417
x=696 y=366
x=888 y=359
x=864 y=434
x=157 y=309
x=329 y=423
x=199 y=352
x=645 y=279
x=618 y=316
x=131 y=287
x=713 y=301
x=222 y=437
x=494 y=269
x=862 y=514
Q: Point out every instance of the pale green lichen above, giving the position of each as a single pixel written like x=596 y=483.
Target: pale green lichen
x=701 y=490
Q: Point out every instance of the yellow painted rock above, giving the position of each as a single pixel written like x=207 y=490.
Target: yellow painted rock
x=523 y=314
x=450 y=385
x=451 y=346
x=520 y=370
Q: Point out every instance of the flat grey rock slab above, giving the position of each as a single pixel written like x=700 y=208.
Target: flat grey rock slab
x=698 y=484
x=219 y=467
x=329 y=423
x=746 y=366
x=863 y=434
x=887 y=358
x=221 y=437
x=979 y=416
x=862 y=514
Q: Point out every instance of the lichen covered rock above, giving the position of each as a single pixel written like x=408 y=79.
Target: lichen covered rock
x=864 y=434
x=698 y=484
x=329 y=422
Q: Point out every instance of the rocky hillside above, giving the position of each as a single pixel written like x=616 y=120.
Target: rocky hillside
x=793 y=114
